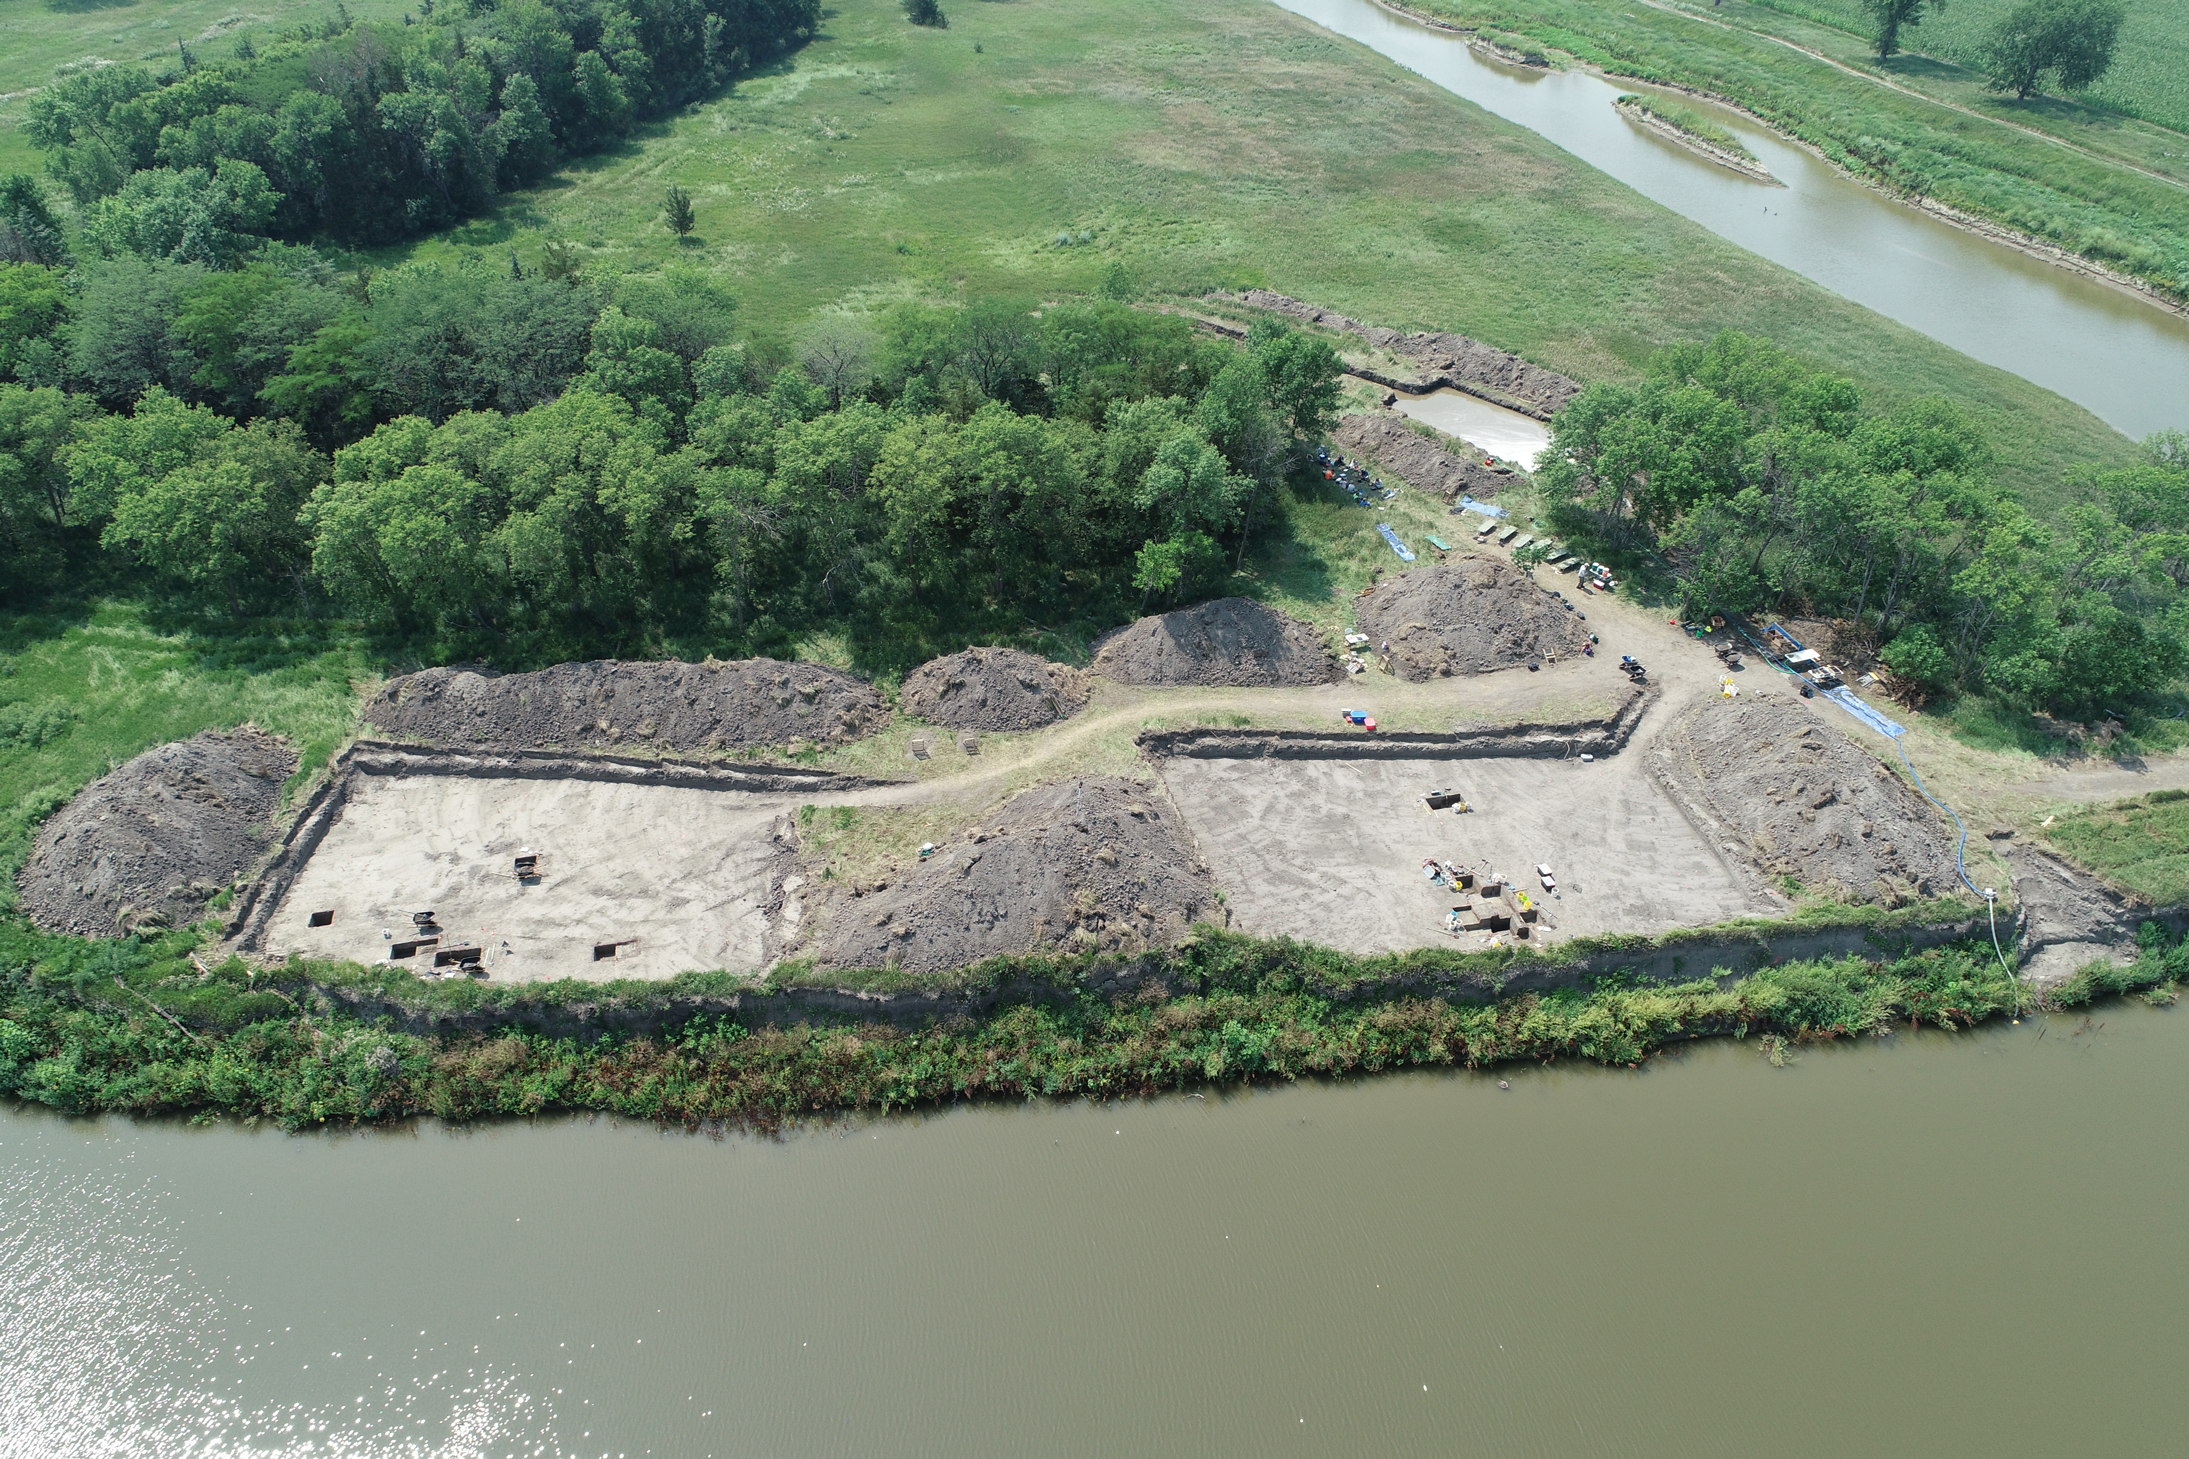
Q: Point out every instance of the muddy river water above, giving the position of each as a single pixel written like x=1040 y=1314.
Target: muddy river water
x=1922 y=1245
x=2124 y=360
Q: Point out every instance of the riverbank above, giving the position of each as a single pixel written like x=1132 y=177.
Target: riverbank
x=148 y=1029
x=1653 y=117
x=2123 y=223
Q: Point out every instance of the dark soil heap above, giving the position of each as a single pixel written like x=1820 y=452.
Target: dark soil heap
x=1231 y=641
x=751 y=702
x=1095 y=863
x=1801 y=800
x=994 y=690
x=151 y=843
x=1443 y=359
x=1472 y=615
x=1401 y=450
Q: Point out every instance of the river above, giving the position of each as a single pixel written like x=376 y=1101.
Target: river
x=1921 y=1245
x=2124 y=360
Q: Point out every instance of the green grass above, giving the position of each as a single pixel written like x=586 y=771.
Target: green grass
x=2150 y=73
x=2140 y=844
x=38 y=37
x=1227 y=143
x=136 y=1027
x=82 y=692
x=1966 y=154
x=1687 y=119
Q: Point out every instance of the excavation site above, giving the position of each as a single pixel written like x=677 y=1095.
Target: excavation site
x=616 y=820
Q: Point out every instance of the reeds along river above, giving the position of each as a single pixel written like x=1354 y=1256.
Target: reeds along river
x=1921 y=1245
x=2124 y=360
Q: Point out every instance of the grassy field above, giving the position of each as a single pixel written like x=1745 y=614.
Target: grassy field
x=2140 y=844
x=40 y=37
x=82 y=691
x=2150 y=74
x=1968 y=151
x=1229 y=143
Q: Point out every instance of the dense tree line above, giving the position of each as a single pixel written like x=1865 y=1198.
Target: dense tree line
x=371 y=133
x=485 y=457
x=1769 y=488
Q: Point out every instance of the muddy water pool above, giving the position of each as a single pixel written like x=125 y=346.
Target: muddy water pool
x=2122 y=359
x=1505 y=434
x=1917 y=1245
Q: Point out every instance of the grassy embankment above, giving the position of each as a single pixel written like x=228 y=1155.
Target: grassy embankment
x=1972 y=154
x=2140 y=844
x=1690 y=121
x=41 y=37
x=2149 y=78
x=138 y=1028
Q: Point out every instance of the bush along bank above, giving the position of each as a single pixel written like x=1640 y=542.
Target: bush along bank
x=143 y=1027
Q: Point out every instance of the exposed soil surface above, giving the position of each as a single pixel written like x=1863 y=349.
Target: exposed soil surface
x=634 y=881
x=1442 y=359
x=1231 y=641
x=152 y=842
x=1405 y=452
x=994 y=690
x=1472 y=615
x=751 y=702
x=1087 y=863
x=1799 y=799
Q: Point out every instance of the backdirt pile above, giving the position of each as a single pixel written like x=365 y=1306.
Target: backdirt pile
x=995 y=690
x=153 y=842
x=1086 y=864
x=1231 y=641
x=1442 y=359
x=1404 y=452
x=1801 y=800
x=1472 y=615
x=680 y=706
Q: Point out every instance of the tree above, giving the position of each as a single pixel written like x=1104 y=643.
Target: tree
x=678 y=212
x=927 y=13
x=1894 y=16
x=29 y=233
x=839 y=354
x=2069 y=42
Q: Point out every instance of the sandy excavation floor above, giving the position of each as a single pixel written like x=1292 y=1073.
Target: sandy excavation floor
x=1330 y=851
x=690 y=874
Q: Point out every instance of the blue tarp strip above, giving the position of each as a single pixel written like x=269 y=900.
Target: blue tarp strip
x=1469 y=504
x=1393 y=538
x=1845 y=698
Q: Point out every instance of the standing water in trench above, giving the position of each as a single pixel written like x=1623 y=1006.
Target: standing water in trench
x=2125 y=361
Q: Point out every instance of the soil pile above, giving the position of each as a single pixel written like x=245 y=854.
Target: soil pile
x=994 y=690
x=751 y=702
x=1472 y=615
x=1801 y=800
x=1442 y=359
x=1086 y=864
x=1231 y=641
x=1425 y=465
x=151 y=843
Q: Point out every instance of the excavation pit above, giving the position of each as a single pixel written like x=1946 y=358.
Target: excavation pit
x=1330 y=851
x=689 y=878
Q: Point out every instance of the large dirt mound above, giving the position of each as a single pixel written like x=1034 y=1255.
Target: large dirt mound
x=1231 y=641
x=680 y=706
x=1472 y=615
x=1801 y=800
x=153 y=841
x=995 y=690
x=1079 y=865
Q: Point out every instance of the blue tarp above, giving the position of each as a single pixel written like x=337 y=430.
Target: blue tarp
x=1846 y=700
x=1469 y=504
x=1397 y=546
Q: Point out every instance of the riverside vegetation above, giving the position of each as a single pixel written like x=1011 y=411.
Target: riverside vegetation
x=2119 y=195
x=137 y=1027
